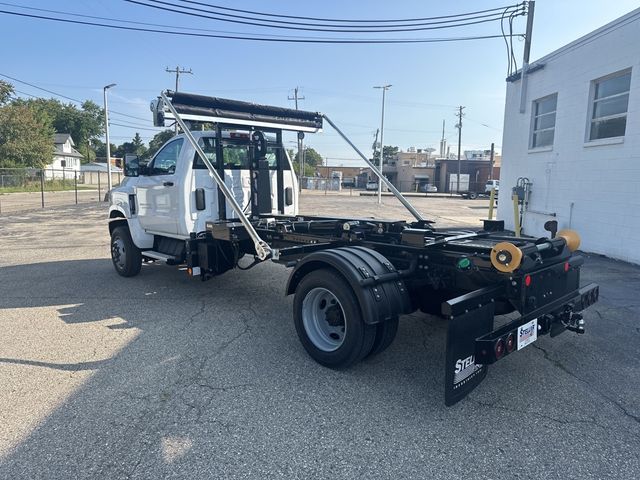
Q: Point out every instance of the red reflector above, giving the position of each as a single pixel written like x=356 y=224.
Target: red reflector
x=499 y=348
x=527 y=280
x=566 y=266
x=511 y=342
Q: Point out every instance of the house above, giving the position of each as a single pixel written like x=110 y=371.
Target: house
x=578 y=140
x=66 y=159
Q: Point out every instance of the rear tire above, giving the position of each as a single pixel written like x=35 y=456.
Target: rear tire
x=473 y=195
x=126 y=257
x=328 y=321
x=385 y=335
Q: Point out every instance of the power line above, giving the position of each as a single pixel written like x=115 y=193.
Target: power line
x=334 y=19
x=75 y=100
x=403 y=25
x=133 y=127
x=158 y=4
x=263 y=38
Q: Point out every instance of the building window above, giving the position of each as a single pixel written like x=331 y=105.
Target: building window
x=544 y=121
x=609 y=102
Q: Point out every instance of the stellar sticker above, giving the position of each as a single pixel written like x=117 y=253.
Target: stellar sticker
x=527 y=333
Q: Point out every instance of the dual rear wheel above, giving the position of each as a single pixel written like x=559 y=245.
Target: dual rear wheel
x=330 y=325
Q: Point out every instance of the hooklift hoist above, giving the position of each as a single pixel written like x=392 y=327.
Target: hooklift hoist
x=352 y=277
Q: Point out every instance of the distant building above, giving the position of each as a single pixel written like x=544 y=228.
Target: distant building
x=578 y=140
x=95 y=173
x=66 y=159
x=411 y=171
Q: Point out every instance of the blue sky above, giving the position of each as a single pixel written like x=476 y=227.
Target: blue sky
x=429 y=80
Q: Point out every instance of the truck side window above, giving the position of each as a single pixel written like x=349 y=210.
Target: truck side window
x=208 y=145
x=165 y=161
x=235 y=155
x=272 y=157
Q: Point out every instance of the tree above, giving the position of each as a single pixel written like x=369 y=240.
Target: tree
x=83 y=124
x=6 y=90
x=157 y=141
x=26 y=138
x=312 y=159
x=140 y=147
x=100 y=148
x=136 y=147
x=389 y=153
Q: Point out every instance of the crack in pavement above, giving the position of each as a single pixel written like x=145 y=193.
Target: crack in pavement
x=562 y=367
x=495 y=406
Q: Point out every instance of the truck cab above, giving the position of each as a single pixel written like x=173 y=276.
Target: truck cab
x=174 y=196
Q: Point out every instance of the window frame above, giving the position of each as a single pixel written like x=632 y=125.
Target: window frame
x=534 y=117
x=592 y=104
x=198 y=164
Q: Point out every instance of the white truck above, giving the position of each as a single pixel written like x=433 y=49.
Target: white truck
x=209 y=198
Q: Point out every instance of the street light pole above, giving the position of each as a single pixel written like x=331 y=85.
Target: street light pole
x=384 y=91
x=106 y=129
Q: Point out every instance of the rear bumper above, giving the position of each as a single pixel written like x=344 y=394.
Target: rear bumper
x=551 y=318
x=472 y=340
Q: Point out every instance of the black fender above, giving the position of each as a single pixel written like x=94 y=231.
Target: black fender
x=117 y=222
x=377 y=284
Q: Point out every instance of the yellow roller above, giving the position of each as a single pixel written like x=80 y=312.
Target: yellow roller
x=506 y=257
x=571 y=237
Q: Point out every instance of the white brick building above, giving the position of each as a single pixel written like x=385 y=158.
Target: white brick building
x=578 y=140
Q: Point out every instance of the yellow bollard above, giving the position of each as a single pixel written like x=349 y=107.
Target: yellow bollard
x=492 y=199
x=516 y=216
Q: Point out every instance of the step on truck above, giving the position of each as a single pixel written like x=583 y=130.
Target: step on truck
x=211 y=201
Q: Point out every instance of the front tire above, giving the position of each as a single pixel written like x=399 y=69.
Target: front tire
x=126 y=257
x=328 y=321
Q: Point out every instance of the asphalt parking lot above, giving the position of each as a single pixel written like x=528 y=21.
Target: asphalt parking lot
x=162 y=376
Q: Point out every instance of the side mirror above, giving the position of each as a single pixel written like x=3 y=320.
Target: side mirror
x=131 y=165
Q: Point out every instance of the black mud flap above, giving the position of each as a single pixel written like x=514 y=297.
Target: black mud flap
x=462 y=374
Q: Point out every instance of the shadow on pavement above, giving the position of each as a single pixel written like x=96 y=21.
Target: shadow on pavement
x=214 y=383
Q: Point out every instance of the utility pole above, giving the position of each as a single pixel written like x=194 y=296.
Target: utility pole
x=106 y=131
x=491 y=161
x=384 y=91
x=178 y=71
x=295 y=97
x=442 y=142
x=459 y=125
x=531 y=5
x=300 y=141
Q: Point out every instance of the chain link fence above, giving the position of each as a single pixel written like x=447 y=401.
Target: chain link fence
x=24 y=189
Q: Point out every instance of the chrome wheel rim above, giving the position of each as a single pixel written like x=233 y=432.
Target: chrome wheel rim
x=118 y=253
x=323 y=319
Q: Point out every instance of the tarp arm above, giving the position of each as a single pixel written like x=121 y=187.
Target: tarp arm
x=387 y=182
x=263 y=251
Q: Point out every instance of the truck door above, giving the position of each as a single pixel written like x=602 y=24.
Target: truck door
x=158 y=191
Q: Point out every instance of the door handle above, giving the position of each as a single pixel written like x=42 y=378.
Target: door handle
x=167 y=184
